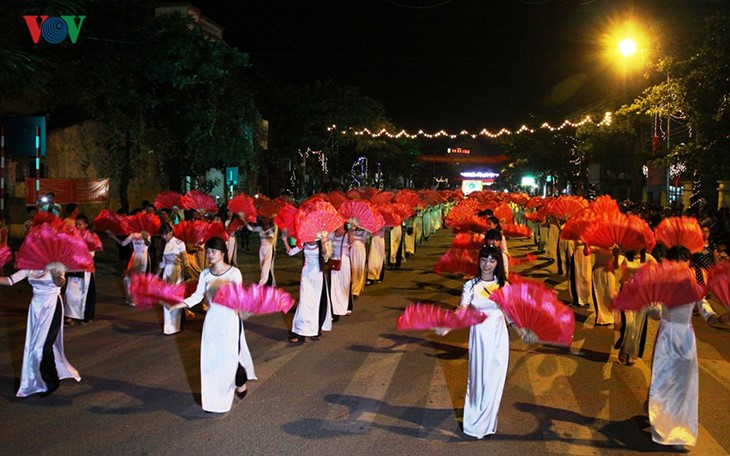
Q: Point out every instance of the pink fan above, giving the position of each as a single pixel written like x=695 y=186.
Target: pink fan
x=382 y=198
x=144 y=221
x=5 y=255
x=390 y=216
x=671 y=283
x=285 y=219
x=198 y=232
x=458 y=261
x=473 y=224
x=368 y=218
x=44 y=245
x=421 y=316
x=245 y=204
x=255 y=299
x=468 y=241
x=93 y=243
x=513 y=230
x=608 y=230
x=318 y=224
x=148 y=290
x=168 y=200
x=718 y=283
x=109 y=221
x=199 y=201
x=683 y=231
x=534 y=306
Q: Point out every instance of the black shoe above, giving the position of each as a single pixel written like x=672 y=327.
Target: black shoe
x=242 y=394
x=314 y=337
x=335 y=318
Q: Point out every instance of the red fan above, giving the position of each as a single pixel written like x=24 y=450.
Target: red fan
x=512 y=230
x=390 y=216
x=267 y=208
x=337 y=197
x=255 y=299
x=473 y=224
x=368 y=218
x=683 y=231
x=408 y=197
x=198 y=232
x=190 y=287
x=535 y=201
x=235 y=224
x=461 y=211
x=44 y=245
x=148 y=290
x=577 y=225
x=243 y=204
x=420 y=316
x=519 y=198
x=458 y=261
x=604 y=205
x=626 y=231
x=93 y=243
x=108 y=221
x=168 y=200
x=199 y=201
x=534 y=306
x=382 y=198
x=535 y=217
x=285 y=219
x=504 y=213
x=5 y=255
x=565 y=207
x=403 y=210
x=144 y=221
x=468 y=241
x=318 y=224
x=514 y=261
x=42 y=217
x=671 y=283
x=718 y=283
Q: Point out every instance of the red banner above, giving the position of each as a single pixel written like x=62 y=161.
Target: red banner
x=69 y=190
x=464 y=159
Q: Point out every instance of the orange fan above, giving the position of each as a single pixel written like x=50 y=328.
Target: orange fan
x=471 y=224
x=565 y=207
x=408 y=197
x=198 y=201
x=671 y=283
x=366 y=216
x=383 y=198
x=144 y=221
x=718 y=283
x=390 y=216
x=168 y=200
x=403 y=210
x=617 y=229
x=421 y=316
x=683 y=231
x=532 y=305
x=243 y=204
x=460 y=212
x=458 y=261
x=468 y=241
x=504 y=213
x=577 y=225
x=604 y=205
x=535 y=201
x=42 y=217
x=510 y=230
x=535 y=217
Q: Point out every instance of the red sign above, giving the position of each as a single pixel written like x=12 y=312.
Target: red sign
x=69 y=190
x=470 y=160
x=458 y=150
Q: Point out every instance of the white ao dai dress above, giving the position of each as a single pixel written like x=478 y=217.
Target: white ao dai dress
x=174 y=260
x=312 y=295
x=341 y=280
x=488 y=360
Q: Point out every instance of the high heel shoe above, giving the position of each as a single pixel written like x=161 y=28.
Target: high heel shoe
x=241 y=394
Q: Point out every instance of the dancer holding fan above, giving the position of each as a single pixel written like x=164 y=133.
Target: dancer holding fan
x=268 y=233
x=139 y=262
x=174 y=262
x=225 y=360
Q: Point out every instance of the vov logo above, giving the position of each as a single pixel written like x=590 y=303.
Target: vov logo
x=54 y=29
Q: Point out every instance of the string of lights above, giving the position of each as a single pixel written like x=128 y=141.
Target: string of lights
x=605 y=121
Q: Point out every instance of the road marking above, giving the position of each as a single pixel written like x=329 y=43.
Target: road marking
x=439 y=426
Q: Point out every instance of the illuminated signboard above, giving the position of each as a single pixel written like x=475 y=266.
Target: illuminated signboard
x=458 y=150
x=468 y=186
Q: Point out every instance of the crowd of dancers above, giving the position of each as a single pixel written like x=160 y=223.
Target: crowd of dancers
x=195 y=243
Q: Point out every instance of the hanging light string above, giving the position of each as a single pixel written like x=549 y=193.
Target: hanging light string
x=605 y=121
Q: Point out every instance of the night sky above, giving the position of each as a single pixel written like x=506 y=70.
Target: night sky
x=451 y=64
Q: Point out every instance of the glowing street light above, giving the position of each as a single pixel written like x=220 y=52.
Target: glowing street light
x=627 y=47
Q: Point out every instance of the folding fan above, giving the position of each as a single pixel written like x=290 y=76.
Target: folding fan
x=671 y=283
x=336 y=198
x=93 y=243
x=535 y=217
x=577 y=224
x=285 y=219
x=504 y=213
x=368 y=218
x=468 y=241
x=460 y=212
x=535 y=201
x=532 y=305
x=473 y=224
x=144 y=221
x=403 y=210
x=148 y=290
x=408 y=197
x=565 y=207
x=604 y=205
x=683 y=231
x=44 y=245
x=313 y=225
x=510 y=230
x=109 y=221
x=243 y=204
x=617 y=229
x=390 y=216
x=198 y=201
x=458 y=261
x=382 y=198
x=199 y=231
x=5 y=255
x=718 y=283
x=514 y=261
x=254 y=299
x=267 y=208
x=42 y=217
x=168 y=200
x=519 y=198
x=421 y=316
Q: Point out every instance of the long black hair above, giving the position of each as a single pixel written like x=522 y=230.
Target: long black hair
x=494 y=252
x=217 y=243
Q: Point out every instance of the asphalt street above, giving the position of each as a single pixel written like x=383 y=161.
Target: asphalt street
x=364 y=388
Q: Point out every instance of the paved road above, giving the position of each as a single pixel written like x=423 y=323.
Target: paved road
x=365 y=388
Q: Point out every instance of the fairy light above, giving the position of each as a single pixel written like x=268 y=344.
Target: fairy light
x=361 y=165
x=441 y=180
x=320 y=157
x=379 y=178
x=607 y=120
x=645 y=171
x=676 y=170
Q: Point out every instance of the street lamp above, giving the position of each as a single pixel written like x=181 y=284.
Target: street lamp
x=627 y=47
